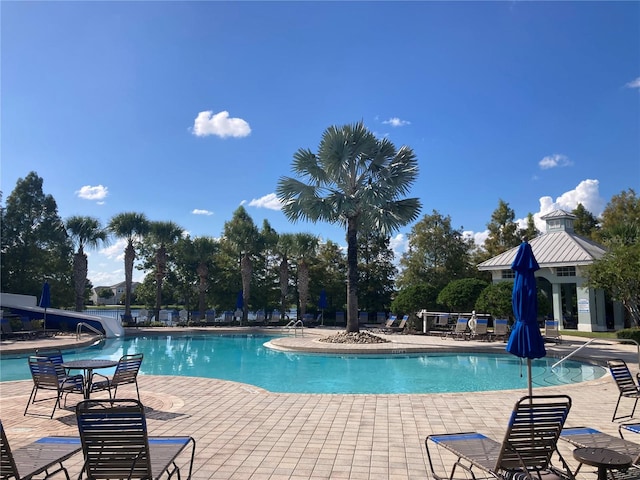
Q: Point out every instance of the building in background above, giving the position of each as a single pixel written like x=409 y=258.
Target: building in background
x=562 y=256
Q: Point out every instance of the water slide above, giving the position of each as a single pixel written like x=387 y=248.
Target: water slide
x=28 y=305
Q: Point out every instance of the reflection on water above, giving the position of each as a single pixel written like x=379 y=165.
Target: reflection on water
x=244 y=358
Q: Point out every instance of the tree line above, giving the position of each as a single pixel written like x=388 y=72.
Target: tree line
x=355 y=180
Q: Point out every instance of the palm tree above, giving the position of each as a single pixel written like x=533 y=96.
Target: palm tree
x=129 y=226
x=84 y=232
x=305 y=247
x=162 y=235
x=283 y=249
x=244 y=238
x=355 y=180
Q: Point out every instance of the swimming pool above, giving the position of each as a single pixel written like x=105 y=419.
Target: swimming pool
x=245 y=359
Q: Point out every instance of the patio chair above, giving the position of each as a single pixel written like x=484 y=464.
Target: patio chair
x=482 y=332
x=9 y=333
x=126 y=373
x=55 y=355
x=461 y=330
x=116 y=445
x=37 y=457
x=400 y=326
x=526 y=450
x=627 y=386
x=585 y=437
x=552 y=331
x=500 y=329
x=629 y=427
x=45 y=376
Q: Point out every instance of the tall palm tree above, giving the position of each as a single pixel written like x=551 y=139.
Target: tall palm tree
x=284 y=249
x=305 y=247
x=129 y=226
x=243 y=236
x=84 y=232
x=355 y=180
x=162 y=235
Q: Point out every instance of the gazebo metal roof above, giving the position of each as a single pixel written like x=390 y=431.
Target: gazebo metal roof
x=552 y=249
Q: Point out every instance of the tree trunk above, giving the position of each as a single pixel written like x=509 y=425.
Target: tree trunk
x=80 y=265
x=303 y=286
x=284 y=283
x=352 y=275
x=203 y=272
x=246 y=271
x=161 y=265
x=129 y=258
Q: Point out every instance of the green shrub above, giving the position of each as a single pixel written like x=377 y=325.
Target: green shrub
x=629 y=334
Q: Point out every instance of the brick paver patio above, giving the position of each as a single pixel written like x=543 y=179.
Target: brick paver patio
x=244 y=432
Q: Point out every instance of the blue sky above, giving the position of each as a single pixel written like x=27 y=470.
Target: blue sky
x=186 y=110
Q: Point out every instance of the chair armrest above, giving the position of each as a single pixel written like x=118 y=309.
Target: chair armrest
x=104 y=377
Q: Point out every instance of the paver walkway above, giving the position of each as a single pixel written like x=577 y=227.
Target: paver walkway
x=244 y=432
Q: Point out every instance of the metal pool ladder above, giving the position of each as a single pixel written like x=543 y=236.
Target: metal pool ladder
x=88 y=327
x=295 y=325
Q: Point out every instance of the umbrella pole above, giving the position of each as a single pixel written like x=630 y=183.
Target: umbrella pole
x=529 y=377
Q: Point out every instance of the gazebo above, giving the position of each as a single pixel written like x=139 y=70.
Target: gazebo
x=562 y=256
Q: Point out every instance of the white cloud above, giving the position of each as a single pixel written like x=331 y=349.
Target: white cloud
x=555 y=160
x=115 y=251
x=199 y=211
x=634 y=83
x=99 y=192
x=396 y=122
x=586 y=192
x=269 y=201
x=399 y=244
x=478 y=237
x=206 y=123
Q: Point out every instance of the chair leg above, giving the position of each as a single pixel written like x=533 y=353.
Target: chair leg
x=137 y=391
x=32 y=398
x=613 y=419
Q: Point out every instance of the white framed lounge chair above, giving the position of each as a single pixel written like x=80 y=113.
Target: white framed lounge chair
x=481 y=332
x=552 y=331
x=461 y=331
x=500 y=329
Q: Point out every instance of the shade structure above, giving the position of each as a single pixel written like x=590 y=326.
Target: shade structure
x=526 y=340
x=45 y=301
x=322 y=303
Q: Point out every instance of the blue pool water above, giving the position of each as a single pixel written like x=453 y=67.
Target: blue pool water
x=244 y=358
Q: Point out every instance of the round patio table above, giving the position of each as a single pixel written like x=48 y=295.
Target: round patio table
x=603 y=458
x=88 y=366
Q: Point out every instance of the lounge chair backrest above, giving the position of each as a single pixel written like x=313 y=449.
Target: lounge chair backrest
x=500 y=326
x=143 y=315
x=391 y=321
x=114 y=439
x=127 y=369
x=622 y=376
x=442 y=320
x=551 y=327
x=8 y=465
x=461 y=325
x=481 y=326
x=534 y=429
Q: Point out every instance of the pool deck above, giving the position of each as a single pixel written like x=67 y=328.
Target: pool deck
x=244 y=432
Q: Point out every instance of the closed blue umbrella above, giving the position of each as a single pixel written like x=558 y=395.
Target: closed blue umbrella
x=45 y=301
x=526 y=340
